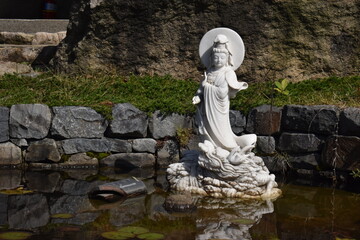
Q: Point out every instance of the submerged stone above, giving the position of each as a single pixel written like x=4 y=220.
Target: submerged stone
x=35 y=181
x=28 y=211
x=10 y=178
x=179 y=203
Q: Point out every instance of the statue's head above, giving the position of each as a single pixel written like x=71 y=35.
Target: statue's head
x=221 y=56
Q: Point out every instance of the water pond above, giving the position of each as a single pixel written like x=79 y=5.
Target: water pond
x=55 y=205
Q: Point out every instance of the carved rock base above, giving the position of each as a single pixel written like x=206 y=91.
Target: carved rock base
x=199 y=173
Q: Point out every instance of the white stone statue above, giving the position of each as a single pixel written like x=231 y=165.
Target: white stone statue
x=225 y=167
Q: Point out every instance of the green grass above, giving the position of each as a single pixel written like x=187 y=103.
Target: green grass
x=166 y=94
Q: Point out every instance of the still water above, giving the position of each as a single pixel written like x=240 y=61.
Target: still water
x=303 y=212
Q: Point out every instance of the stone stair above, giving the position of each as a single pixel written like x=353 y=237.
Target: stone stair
x=28 y=44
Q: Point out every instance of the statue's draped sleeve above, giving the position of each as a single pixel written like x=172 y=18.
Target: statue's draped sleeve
x=234 y=85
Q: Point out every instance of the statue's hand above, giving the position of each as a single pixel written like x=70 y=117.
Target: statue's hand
x=196 y=100
x=205 y=79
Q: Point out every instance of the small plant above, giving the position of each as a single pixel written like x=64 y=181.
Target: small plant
x=282 y=160
x=281 y=87
x=183 y=136
x=355 y=173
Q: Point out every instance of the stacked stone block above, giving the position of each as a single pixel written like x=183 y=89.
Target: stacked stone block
x=303 y=138
x=41 y=136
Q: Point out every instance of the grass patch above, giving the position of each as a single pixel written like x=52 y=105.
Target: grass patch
x=166 y=94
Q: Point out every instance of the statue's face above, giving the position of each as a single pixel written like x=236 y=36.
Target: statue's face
x=220 y=59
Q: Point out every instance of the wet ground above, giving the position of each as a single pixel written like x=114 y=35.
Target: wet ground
x=56 y=205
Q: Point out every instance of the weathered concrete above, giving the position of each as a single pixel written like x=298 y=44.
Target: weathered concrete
x=33 y=25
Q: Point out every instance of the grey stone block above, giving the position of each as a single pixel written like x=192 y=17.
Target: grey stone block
x=349 y=124
x=77 y=122
x=320 y=119
x=265 y=144
x=162 y=126
x=237 y=121
x=81 y=145
x=144 y=145
x=299 y=143
x=4 y=124
x=168 y=153
x=128 y=122
x=264 y=120
x=342 y=152
x=128 y=161
x=10 y=154
x=305 y=161
x=276 y=163
x=30 y=121
x=80 y=159
x=119 y=145
x=43 y=150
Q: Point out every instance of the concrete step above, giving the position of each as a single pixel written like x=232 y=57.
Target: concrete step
x=33 y=25
x=32 y=39
x=13 y=67
x=31 y=54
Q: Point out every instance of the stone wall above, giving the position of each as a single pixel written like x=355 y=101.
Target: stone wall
x=59 y=137
x=283 y=38
x=310 y=140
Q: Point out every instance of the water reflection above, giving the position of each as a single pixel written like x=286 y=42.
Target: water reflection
x=230 y=219
x=302 y=212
